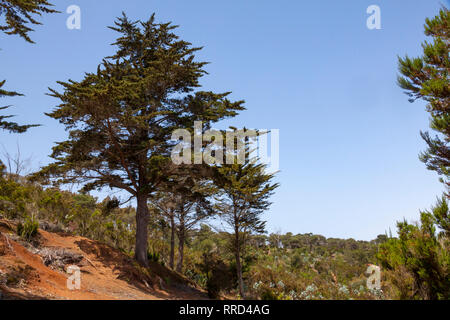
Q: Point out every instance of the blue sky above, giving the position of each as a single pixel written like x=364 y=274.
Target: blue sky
x=349 y=139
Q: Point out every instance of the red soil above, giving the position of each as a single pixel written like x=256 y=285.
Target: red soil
x=106 y=273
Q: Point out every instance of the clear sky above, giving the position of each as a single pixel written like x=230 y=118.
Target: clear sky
x=349 y=139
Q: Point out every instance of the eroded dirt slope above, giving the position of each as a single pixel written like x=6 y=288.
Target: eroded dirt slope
x=39 y=271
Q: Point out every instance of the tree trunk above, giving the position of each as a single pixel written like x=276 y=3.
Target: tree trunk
x=172 y=241
x=181 y=238
x=142 y=220
x=238 y=263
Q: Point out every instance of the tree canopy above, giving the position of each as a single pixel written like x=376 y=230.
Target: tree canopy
x=20 y=14
x=427 y=78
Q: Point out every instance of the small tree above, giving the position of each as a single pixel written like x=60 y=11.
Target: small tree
x=246 y=190
x=427 y=78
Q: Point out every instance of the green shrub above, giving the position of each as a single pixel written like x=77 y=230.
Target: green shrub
x=153 y=256
x=29 y=229
x=418 y=261
x=268 y=294
x=219 y=275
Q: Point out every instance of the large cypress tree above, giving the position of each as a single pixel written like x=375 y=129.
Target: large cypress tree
x=427 y=78
x=120 y=118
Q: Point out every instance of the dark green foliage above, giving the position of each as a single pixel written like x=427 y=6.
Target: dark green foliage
x=153 y=256
x=8 y=125
x=123 y=110
x=427 y=78
x=109 y=205
x=268 y=294
x=441 y=216
x=2 y=170
x=18 y=15
x=29 y=229
x=14 y=198
x=219 y=276
x=419 y=259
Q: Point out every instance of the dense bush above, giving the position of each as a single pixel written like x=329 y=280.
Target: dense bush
x=220 y=277
x=418 y=261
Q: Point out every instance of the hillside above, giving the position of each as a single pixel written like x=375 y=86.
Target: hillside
x=37 y=270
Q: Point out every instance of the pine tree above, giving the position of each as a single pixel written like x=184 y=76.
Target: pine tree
x=427 y=78
x=246 y=189
x=19 y=14
x=417 y=262
x=192 y=207
x=120 y=118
